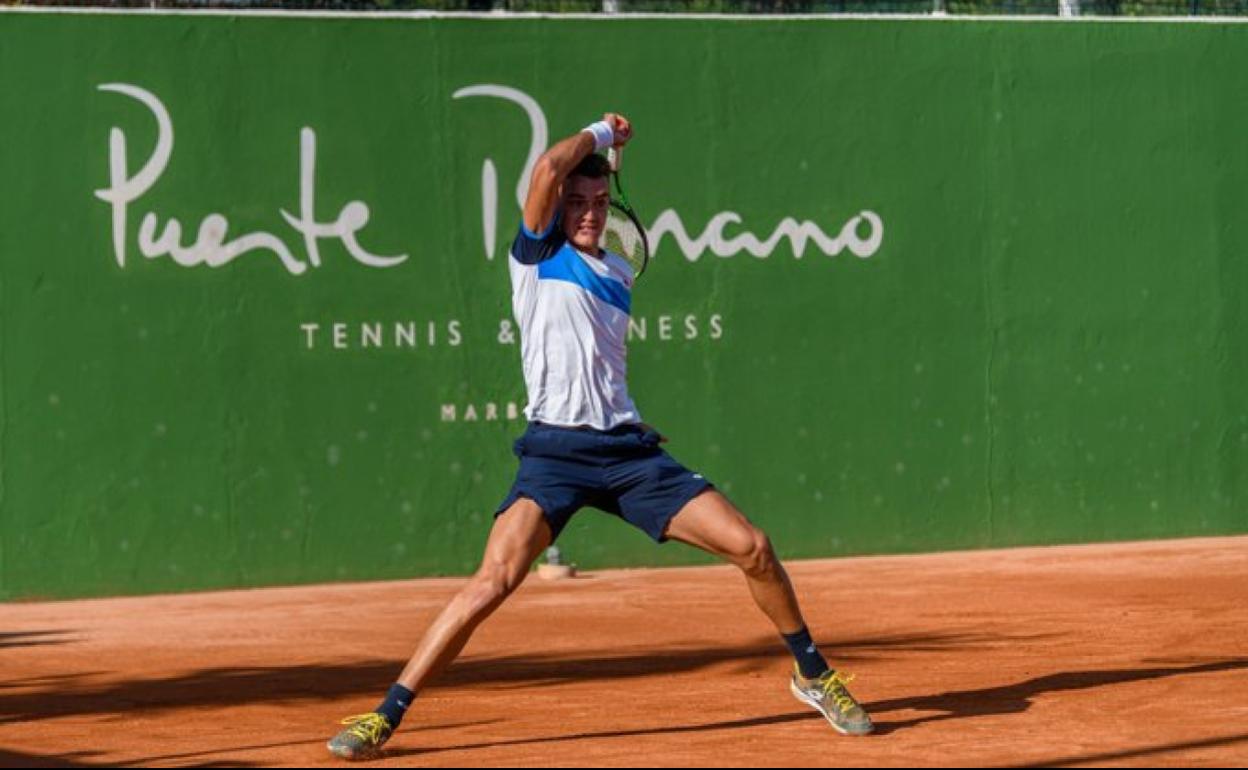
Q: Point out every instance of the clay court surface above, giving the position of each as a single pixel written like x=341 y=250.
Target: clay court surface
x=1131 y=654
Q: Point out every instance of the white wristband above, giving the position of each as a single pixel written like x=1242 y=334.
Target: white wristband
x=603 y=135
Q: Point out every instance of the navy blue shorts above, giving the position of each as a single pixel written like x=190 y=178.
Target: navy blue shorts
x=621 y=471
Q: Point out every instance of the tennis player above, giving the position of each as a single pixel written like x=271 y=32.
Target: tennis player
x=586 y=445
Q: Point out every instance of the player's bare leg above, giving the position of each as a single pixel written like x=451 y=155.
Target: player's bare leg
x=712 y=523
x=518 y=536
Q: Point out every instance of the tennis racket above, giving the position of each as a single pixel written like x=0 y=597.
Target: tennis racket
x=623 y=234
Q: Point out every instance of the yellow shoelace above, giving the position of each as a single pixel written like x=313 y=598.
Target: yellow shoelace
x=367 y=727
x=834 y=687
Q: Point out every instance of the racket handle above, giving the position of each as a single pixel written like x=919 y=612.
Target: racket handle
x=613 y=157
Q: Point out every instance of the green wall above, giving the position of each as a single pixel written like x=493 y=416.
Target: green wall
x=1024 y=323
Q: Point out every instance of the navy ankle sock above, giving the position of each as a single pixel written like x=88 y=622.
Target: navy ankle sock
x=809 y=662
x=398 y=698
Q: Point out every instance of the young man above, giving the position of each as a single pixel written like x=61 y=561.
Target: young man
x=586 y=444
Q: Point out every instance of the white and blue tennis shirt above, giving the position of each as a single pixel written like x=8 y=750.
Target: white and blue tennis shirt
x=572 y=310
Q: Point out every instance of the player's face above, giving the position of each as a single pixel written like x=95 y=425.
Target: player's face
x=585 y=211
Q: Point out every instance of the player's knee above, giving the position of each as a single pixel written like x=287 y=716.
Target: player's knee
x=495 y=582
x=756 y=557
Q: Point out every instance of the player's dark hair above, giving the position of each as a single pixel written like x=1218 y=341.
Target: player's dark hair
x=593 y=166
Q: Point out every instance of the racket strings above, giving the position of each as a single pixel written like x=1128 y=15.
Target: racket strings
x=622 y=235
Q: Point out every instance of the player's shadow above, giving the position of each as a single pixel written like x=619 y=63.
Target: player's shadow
x=86 y=694
x=1017 y=698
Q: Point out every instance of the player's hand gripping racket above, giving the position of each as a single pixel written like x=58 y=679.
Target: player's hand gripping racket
x=624 y=234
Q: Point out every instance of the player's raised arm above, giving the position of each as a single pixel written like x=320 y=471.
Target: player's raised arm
x=557 y=162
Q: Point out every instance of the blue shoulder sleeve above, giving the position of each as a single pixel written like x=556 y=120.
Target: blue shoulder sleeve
x=529 y=248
